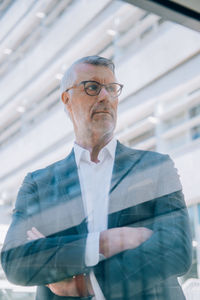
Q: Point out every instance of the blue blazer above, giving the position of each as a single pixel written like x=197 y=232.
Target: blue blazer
x=145 y=192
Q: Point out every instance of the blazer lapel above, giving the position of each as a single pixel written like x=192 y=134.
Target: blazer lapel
x=68 y=176
x=125 y=160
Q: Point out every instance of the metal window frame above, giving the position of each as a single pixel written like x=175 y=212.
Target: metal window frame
x=172 y=11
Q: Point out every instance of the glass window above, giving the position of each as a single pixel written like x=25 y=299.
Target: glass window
x=195 y=132
x=194 y=111
x=177 y=141
x=141 y=138
x=176 y=120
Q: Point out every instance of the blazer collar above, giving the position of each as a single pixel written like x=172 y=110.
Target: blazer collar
x=125 y=160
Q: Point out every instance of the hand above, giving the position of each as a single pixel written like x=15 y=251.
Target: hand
x=78 y=286
x=116 y=240
x=66 y=287
x=34 y=234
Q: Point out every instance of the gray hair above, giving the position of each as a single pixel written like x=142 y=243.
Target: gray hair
x=95 y=60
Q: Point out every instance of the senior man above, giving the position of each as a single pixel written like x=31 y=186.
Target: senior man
x=107 y=222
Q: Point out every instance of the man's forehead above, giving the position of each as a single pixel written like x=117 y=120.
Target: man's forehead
x=89 y=71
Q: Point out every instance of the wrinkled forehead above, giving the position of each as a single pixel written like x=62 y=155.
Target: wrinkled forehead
x=84 y=71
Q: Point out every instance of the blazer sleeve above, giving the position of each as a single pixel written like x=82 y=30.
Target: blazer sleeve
x=167 y=253
x=41 y=261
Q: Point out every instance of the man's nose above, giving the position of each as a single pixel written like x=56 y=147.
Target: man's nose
x=104 y=94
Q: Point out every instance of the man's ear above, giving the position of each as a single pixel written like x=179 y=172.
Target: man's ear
x=65 y=97
x=65 y=100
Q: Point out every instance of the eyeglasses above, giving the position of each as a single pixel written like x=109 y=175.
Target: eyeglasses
x=93 y=88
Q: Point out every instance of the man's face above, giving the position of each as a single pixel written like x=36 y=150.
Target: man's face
x=91 y=115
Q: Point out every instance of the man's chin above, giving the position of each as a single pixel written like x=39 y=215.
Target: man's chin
x=104 y=125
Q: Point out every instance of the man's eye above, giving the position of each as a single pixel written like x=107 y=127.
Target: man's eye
x=92 y=87
x=111 y=88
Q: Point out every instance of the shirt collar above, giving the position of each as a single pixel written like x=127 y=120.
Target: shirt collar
x=80 y=151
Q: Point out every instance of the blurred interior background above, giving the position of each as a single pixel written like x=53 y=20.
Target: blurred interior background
x=157 y=60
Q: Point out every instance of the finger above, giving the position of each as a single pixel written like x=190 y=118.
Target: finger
x=37 y=232
x=31 y=235
x=146 y=233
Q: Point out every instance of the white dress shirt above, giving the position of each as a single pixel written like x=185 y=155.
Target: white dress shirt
x=95 y=179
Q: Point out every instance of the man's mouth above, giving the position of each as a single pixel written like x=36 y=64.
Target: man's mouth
x=101 y=112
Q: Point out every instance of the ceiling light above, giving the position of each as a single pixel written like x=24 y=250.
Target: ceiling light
x=3 y=197
x=153 y=120
x=21 y=109
x=59 y=76
x=7 y=51
x=40 y=15
x=112 y=32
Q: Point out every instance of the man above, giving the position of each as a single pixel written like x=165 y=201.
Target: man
x=107 y=222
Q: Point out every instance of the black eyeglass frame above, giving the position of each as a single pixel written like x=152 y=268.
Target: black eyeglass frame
x=100 y=85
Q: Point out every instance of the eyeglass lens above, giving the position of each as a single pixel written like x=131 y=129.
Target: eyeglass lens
x=93 y=88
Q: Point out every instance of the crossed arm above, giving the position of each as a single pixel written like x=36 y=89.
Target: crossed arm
x=112 y=242
x=150 y=257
